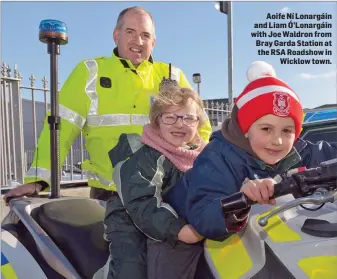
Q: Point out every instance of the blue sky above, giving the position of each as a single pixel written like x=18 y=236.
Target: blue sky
x=190 y=35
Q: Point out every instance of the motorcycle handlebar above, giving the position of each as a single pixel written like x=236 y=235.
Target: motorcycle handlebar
x=299 y=184
x=239 y=201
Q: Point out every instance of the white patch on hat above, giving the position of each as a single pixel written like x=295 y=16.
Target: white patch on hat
x=281 y=104
x=260 y=69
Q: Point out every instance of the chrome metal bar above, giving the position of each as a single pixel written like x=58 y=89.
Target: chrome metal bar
x=34 y=117
x=71 y=163
x=318 y=198
x=18 y=131
x=2 y=143
x=12 y=137
x=8 y=158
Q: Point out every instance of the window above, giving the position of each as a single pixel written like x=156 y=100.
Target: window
x=326 y=133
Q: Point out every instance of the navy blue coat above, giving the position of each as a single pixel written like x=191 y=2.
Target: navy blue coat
x=220 y=170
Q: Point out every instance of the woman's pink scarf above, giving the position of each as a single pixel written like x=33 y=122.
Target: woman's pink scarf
x=182 y=158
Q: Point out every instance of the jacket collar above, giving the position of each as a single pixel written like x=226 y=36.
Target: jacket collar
x=126 y=63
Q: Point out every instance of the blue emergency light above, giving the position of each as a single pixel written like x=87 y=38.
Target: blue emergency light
x=51 y=29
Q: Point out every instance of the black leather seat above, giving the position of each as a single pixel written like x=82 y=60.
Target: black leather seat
x=76 y=227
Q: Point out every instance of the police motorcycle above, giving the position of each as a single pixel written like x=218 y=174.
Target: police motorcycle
x=62 y=237
x=297 y=238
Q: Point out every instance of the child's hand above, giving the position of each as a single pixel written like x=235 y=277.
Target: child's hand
x=189 y=235
x=259 y=190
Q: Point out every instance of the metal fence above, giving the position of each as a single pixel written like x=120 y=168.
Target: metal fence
x=217 y=112
x=11 y=144
x=22 y=111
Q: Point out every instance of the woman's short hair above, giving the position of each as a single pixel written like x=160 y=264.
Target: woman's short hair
x=173 y=95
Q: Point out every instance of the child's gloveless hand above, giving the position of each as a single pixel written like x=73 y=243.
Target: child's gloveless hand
x=259 y=190
x=189 y=235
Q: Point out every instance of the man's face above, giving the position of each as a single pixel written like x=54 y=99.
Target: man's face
x=135 y=38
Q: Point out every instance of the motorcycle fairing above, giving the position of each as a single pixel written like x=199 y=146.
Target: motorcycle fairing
x=21 y=210
x=286 y=241
x=7 y=270
x=14 y=266
x=294 y=254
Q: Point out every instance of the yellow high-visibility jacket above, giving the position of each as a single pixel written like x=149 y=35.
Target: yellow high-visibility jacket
x=103 y=97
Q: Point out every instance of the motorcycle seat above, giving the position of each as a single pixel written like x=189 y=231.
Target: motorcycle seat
x=76 y=227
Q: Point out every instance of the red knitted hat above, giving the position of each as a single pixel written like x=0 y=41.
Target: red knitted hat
x=266 y=94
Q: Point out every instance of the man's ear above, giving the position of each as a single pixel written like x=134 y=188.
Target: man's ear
x=115 y=35
x=154 y=42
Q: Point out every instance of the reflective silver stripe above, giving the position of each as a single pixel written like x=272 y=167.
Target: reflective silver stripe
x=175 y=74
x=206 y=115
x=157 y=181
x=94 y=176
x=117 y=177
x=134 y=142
x=71 y=116
x=117 y=119
x=39 y=173
x=108 y=120
x=140 y=119
x=90 y=87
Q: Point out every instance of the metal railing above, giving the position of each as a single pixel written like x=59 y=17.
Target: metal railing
x=11 y=144
x=217 y=112
x=22 y=112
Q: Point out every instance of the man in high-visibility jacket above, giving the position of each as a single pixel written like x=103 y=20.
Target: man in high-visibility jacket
x=104 y=97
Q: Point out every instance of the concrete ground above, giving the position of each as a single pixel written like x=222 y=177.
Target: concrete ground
x=71 y=192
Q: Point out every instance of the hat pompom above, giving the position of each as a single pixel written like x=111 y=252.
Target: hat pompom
x=260 y=69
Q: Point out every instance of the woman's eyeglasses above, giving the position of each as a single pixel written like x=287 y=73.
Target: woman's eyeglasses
x=172 y=118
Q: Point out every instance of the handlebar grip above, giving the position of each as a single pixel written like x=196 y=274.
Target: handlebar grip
x=237 y=201
x=299 y=183
x=286 y=187
x=240 y=201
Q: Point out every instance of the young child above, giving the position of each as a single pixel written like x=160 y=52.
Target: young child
x=144 y=232
x=259 y=141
